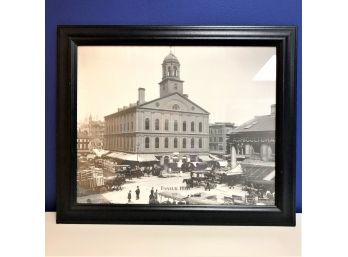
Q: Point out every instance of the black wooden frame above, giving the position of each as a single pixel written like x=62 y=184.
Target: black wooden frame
x=283 y=38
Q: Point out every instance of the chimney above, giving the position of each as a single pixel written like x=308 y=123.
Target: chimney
x=273 y=109
x=141 y=95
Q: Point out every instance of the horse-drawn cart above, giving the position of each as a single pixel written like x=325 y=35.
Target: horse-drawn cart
x=114 y=182
x=204 y=178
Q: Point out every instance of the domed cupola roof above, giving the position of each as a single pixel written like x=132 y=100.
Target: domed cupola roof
x=171 y=58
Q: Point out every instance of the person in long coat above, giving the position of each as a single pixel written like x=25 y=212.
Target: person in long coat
x=137 y=192
x=129 y=196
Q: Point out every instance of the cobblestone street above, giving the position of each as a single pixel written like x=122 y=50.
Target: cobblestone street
x=169 y=184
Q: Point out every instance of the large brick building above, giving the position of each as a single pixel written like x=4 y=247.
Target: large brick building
x=83 y=142
x=219 y=133
x=171 y=127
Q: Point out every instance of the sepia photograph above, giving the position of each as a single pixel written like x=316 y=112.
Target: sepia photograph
x=176 y=125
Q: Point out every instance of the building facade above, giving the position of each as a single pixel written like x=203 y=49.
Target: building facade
x=218 y=136
x=83 y=142
x=255 y=139
x=171 y=127
x=94 y=128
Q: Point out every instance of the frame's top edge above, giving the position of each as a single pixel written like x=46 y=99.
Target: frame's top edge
x=181 y=27
x=182 y=32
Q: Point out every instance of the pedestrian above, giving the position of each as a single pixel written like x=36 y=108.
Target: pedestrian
x=129 y=196
x=208 y=186
x=137 y=192
x=152 y=193
x=156 y=195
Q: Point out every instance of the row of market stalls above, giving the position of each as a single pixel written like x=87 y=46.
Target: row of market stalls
x=133 y=157
x=100 y=153
x=148 y=158
x=257 y=173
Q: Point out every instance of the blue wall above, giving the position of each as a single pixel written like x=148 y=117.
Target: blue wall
x=158 y=12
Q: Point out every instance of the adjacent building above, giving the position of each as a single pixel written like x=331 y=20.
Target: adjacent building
x=83 y=142
x=255 y=139
x=94 y=128
x=171 y=127
x=218 y=136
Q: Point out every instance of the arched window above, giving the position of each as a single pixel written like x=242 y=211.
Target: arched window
x=169 y=71
x=184 y=126
x=147 y=142
x=200 y=143
x=175 y=125
x=157 y=124
x=147 y=123
x=175 y=143
x=200 y=127
x=175 y=71
x=192 y=126
x=166 y=142
x=192 y=142
x=156 y=142
x=184 y=143
x=166 y=124
x=176 y=107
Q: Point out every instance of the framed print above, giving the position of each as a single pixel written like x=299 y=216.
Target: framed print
x=176 y=125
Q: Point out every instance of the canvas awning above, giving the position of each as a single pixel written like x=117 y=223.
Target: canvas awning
x=215 y=158
x=147 y=158
x=114 y=155
x=235 y=171
x=100 y=152
x=262 y=182
x=204 y=158
x=270 y=176
x=133 y=157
